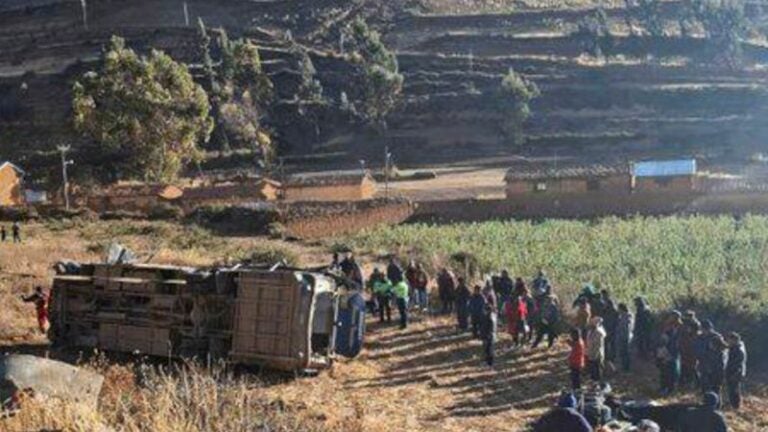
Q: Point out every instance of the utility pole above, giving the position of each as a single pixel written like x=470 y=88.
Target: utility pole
x=186 y=14
x=84 y=7
x=63 y=149
x=387 y=158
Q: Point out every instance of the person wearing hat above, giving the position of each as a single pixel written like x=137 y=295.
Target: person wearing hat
x=563 y=418
x=706 y=417
x=736 y=368
x=595 y=352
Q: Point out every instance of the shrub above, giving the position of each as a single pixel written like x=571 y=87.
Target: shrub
x=165 y=211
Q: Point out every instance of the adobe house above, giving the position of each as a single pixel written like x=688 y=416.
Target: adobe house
x=133 y=197
x=262 y=189
x=11 y=185
x=333 y=186
x=661 y=176
x=596 y=178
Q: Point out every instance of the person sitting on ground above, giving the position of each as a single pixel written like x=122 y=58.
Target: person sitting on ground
x=382 y=289
x=576 y=358
x=462 y=305
x=705 y=418
x=645 y=426
x=476 y=308
x=736 y=369
x=446 y=287
x=596 y=349
x=563 y=418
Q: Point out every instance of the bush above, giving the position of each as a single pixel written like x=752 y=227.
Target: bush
x=165 y=211
x=270 y=255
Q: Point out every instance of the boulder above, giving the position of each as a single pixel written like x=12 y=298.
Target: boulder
x=48 y=378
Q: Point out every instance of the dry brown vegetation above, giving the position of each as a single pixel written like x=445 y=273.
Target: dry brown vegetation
x=425 y=378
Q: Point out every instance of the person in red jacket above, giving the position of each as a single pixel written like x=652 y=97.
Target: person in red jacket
x=516 y=311
x=576 y=359
x=40 y=299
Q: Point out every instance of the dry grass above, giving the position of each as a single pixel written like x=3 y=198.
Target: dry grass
x=427 y=378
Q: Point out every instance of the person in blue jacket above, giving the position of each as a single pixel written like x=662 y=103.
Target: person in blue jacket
x=476 y=308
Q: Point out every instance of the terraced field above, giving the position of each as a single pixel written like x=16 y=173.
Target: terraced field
x=645 y=95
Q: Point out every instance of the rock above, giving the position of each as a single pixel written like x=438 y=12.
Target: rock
x=49 y=378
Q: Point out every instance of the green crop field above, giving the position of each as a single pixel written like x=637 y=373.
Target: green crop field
x=671 y=260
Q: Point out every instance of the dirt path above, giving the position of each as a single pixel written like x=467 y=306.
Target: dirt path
x=430 y=378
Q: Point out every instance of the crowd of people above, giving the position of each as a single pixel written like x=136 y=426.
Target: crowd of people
x=602 y=333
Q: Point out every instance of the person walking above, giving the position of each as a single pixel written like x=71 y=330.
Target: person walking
x=643 y=328
x=689 y=376
x=3 y=234
x=624 y=336
x=446 y=286
x=382 y=289
x=462 y=305
x=516 y=312
x=547 y=321
x=576 y=358
x=476 y=310
x=16 y=231
x=400 y=291
x=418 y=280
x=40 y=299
x=736 y=369
x=595 y=351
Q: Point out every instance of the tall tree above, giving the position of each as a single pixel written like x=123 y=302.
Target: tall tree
x=145 y=112
x=513 y=101
x=382 y=82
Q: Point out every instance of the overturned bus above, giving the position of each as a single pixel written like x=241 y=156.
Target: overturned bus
x=286 y=319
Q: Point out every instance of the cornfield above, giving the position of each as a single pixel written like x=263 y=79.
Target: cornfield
x=668 y=260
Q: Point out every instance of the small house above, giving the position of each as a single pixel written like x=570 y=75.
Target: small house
x=330 y=186
x=231 y=192
x=667 y=175
x=567 y=180
x=11 y=185
x=134 y=197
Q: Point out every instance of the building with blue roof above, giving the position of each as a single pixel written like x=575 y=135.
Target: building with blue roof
x=665 y=175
